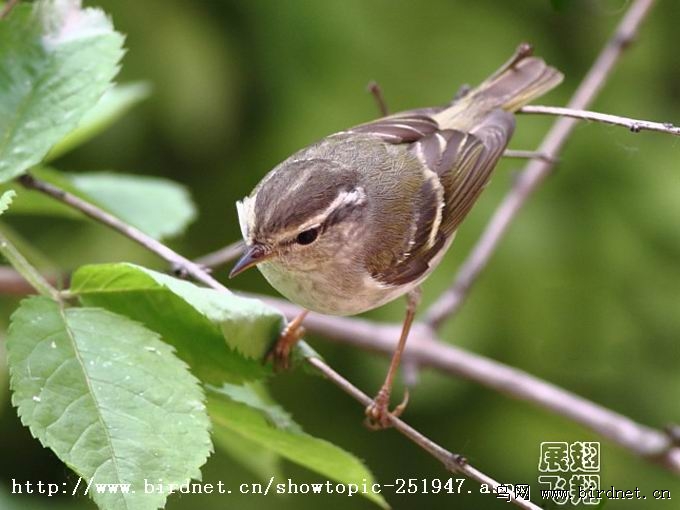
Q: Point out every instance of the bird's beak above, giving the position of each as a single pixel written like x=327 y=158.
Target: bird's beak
x=254 y=255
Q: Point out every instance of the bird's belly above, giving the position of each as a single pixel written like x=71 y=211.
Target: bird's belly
x=348 y=296
x=349 y=293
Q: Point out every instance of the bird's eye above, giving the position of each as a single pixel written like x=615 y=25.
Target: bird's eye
x=307 y=236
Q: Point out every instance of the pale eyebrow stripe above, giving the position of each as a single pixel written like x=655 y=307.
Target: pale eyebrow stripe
x=355 y=196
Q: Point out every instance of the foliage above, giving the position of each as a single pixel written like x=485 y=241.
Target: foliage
x=107 y=385
x=582 y=292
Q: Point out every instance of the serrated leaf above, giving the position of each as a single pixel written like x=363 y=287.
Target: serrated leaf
x=108 y=397
x=56 y=61
x=6 y=199
x=112 y=105
x=222 y=337
x=241 y=411
x=159 y=207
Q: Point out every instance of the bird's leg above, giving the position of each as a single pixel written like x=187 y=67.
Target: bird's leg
x=377 y=94
x=279 y=354
x=378 y=413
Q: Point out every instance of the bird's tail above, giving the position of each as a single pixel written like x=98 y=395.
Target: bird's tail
x=519 y=81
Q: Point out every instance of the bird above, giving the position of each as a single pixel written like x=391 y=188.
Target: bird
x=365 y=215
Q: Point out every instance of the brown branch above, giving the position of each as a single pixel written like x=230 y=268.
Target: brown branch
x=377 y=93
x=537 y=169
x=220 y=257
x=182 y=264
x=425 y=349
x=452 y=462
x=634 y=125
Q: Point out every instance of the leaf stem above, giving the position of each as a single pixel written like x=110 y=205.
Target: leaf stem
x=26 y=270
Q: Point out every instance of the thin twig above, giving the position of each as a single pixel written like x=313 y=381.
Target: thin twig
x=537 y=170
x=182 y=264
x=220 y=257
x=232 y=251
x=523 y=154
x=634 y=125
x=200 y=274
x=8 y=8
x=453 y=463
x=377 y=93
x=425 y=349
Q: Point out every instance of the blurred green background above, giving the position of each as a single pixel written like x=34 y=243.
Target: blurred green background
x=584 y=291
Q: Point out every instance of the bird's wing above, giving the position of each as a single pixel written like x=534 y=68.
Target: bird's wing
x=463 y=161
x=456 y=167
x=404 y=127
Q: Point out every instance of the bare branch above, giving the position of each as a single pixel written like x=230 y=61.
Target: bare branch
x=537 y=169
x=425 y=349
x=634 y=125
x=222 y=256
x=451 y=461
x=520 y=154
x=377 y=93
x=174 y=259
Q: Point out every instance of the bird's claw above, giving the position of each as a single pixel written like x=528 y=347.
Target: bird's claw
x=378 y=414
x=280 y=352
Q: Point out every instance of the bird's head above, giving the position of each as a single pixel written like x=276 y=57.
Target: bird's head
x=301 y=215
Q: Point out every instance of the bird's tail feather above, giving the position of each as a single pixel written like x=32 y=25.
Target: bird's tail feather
x=518 y=82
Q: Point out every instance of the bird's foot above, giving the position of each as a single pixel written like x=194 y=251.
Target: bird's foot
x=280 y=352
x=378 y=414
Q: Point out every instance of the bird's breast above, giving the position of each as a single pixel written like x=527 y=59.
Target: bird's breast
x=336 y=291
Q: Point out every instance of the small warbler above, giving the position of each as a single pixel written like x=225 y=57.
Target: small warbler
x=363 y=216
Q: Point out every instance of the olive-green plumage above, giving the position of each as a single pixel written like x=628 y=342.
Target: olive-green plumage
x=363 y=216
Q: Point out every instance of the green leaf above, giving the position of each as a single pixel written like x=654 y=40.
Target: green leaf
x=6 y=199
x=56 y=61
x=17 y=259
x=3 y=381
x=113 y=105
x=223 y=337
x=239 y=410
x=261 y=461
x=561 y=5
x=108 y=397
x=159 y=207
